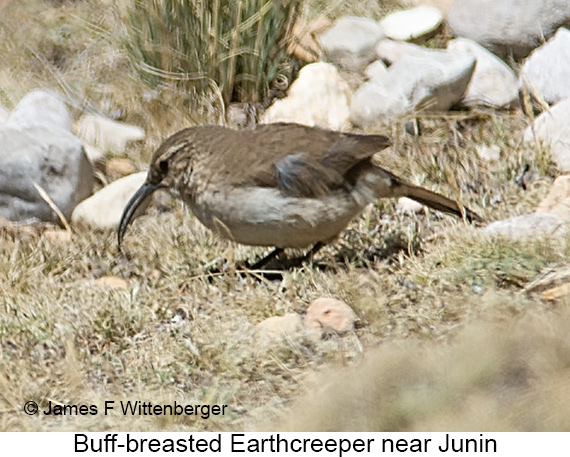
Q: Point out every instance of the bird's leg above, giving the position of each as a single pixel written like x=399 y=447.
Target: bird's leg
x=265 y=260
x=308 y=257
x=293 y=263
x=316 y=248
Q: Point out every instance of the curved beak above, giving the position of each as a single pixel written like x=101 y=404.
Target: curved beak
x=136 y=206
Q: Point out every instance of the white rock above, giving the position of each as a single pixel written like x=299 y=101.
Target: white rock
x=493 y=82
x=351 y=40
x=93 y=153
x=103 y=210
x=527 y=226
x=407 y=205
x=547 y=69
x=412 y=23
x=432 y=83
x=4 y=115
x=551 y=129
x=508 y=26
x=318 y=97
x=41 y=108
x=374 y=102
x=490 y=153
x=107 y=135
x=391 y=51
x=375 y=70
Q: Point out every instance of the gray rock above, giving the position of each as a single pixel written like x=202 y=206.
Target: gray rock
x=375 y=102
x=551 y=130
x=527 y=226
x=546 y=72
x=432 y=83
x=508 y=26
x=350 y=42
x=37 y=146
x=53 y=159
x=411 y=24
x=493 y=82
x=41 y=108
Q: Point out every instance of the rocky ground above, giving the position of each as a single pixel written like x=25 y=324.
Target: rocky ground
x=411 y=321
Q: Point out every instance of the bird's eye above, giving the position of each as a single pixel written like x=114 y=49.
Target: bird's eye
x=163 y=166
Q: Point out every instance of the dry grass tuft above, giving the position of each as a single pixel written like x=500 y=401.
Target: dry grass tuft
x=510 y=375
x=226 y=49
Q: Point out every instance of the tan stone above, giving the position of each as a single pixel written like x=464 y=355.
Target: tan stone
x=120 y=166
x=277 y=327
x=328 y=313
x=304 y=45
x=557 y=201
x=556 y=292
x=104 y=208
x=112 y=282
x=57 y=236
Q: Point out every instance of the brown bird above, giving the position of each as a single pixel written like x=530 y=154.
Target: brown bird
x=281 y=185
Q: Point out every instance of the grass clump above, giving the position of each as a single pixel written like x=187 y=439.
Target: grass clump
x=228 y=49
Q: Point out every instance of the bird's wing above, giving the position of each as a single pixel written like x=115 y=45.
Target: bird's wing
x=301 y=161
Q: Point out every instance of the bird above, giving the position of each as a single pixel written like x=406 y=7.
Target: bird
x=281 y=185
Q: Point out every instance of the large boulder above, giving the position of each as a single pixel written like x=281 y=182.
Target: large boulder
x=551 y=130
x=433 y=82
x=38 y=147
x=546 y=72
x=494 y=83
x=508 y=26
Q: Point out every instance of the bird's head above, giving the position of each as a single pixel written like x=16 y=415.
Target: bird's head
x=168 y=164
